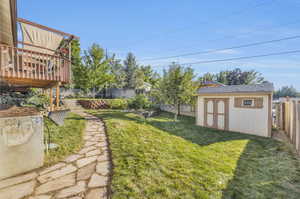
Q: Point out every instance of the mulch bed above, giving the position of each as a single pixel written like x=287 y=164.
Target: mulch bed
x=18 y=111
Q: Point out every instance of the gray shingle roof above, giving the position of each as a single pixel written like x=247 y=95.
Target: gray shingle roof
x=257 y=88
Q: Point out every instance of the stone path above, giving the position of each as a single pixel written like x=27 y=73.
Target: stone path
x=84 y=175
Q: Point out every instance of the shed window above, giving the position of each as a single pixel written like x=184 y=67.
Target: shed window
x=248 y=102
x=251 y=102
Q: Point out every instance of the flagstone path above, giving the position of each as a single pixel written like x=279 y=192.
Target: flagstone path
x=83 y=175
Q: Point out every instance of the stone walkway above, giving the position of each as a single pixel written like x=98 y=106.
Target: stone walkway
x=85 y=174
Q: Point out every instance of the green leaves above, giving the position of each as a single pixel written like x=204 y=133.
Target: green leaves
x=233 y=77
x=177 y=85
x=96 y=68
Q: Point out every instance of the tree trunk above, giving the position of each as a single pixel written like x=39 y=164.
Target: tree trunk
x=178 y=109
x=94 y=92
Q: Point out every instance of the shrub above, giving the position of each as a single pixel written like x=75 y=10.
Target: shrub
x=139 y=102
x=36 y=98
x=117 y=103
x=104 y=103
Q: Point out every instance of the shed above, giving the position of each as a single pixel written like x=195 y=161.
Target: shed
x=239 y=108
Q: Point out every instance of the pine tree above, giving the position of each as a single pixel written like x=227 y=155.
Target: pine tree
x=130 y=69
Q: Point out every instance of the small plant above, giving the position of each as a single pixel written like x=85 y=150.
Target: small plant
x=117 y=103
x=140 y=102
x=37 y=99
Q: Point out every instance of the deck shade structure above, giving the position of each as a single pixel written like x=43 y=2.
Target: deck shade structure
x=34 y=37
x=8 y=25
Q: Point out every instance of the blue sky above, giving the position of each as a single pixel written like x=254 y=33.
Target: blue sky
x=156 y=28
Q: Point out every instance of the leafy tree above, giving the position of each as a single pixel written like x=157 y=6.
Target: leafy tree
x=177 y=86
x=139 y=77
x=150 y=76
x=79 y=71
x=207 y=77
x=234 y=77
x=130 y=68
x=286 y=91
x=118 y=73
x=140 y=101
x=97 y=68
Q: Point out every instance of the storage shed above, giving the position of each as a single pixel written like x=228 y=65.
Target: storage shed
x=239 y=108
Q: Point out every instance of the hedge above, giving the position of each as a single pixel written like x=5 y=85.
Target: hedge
x=103 y=103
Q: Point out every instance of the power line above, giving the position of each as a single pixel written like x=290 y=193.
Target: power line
x=209 y=21
x=223 y=49
x=241 y=58
x=246 y=33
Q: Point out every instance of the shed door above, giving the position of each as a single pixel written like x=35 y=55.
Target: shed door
x=216 y=113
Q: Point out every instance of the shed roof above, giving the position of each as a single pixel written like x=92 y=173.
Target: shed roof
x=256 y=88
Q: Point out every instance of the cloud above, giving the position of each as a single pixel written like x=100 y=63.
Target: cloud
x=228 y=52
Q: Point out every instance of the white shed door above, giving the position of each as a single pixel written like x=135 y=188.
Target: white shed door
x=221 y=114
x=216 y=111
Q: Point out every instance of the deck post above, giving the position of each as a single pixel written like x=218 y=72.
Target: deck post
x=57 y=95
x=51 y=99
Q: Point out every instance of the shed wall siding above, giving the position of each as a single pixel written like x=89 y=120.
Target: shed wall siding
x=246 y=120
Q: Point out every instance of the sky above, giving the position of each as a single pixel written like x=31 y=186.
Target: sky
x=157 y=28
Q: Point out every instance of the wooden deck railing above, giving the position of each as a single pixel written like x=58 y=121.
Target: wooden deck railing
x=25 y=64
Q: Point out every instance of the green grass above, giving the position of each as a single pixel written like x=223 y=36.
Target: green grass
x=69 y=137
x=161 y=159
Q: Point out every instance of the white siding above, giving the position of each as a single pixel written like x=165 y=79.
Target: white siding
x=246 y=120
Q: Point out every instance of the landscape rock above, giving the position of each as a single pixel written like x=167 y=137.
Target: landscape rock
x=86 y=172
x=93 y=153
x=72 y=158
x=87 y=149
x=62 y=182
x=85 y=161
x=97 y=181
x=18 y=191
x=56 y=174
x=17 y=180
x=54 y=167
x=41 y=197
x=102 y=168
x=71 y=191
x=96 y=193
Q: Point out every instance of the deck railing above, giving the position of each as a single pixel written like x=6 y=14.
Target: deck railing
x=26 y=64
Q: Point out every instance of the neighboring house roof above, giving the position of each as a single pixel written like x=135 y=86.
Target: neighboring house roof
x=212 y=82
x=256 y=88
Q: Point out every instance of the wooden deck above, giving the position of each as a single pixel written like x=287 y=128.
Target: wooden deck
x=32 y=69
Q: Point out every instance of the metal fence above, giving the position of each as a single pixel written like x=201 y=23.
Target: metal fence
x=185 y=109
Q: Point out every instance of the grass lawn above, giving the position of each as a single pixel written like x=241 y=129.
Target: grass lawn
x=69 y=137
x=161 y=159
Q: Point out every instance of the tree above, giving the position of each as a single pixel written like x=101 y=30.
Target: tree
x=119 y=75
x=177 y=86
x=97 y=67
x=130 y=69
x=79 y=73
x=234 y=77
x=150 y=76
x=286 y=91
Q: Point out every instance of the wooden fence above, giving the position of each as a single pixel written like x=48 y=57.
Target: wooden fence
x=287 y=119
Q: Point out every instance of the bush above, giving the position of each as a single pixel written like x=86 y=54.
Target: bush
x=139 y=102
x=36 y=99
x=117 y=103
x=104 y=103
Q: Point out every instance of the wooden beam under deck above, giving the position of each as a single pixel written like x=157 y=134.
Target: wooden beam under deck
x=30 y=82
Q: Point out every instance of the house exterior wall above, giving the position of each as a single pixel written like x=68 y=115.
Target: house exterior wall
x=21 y=145
x=255 y=121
